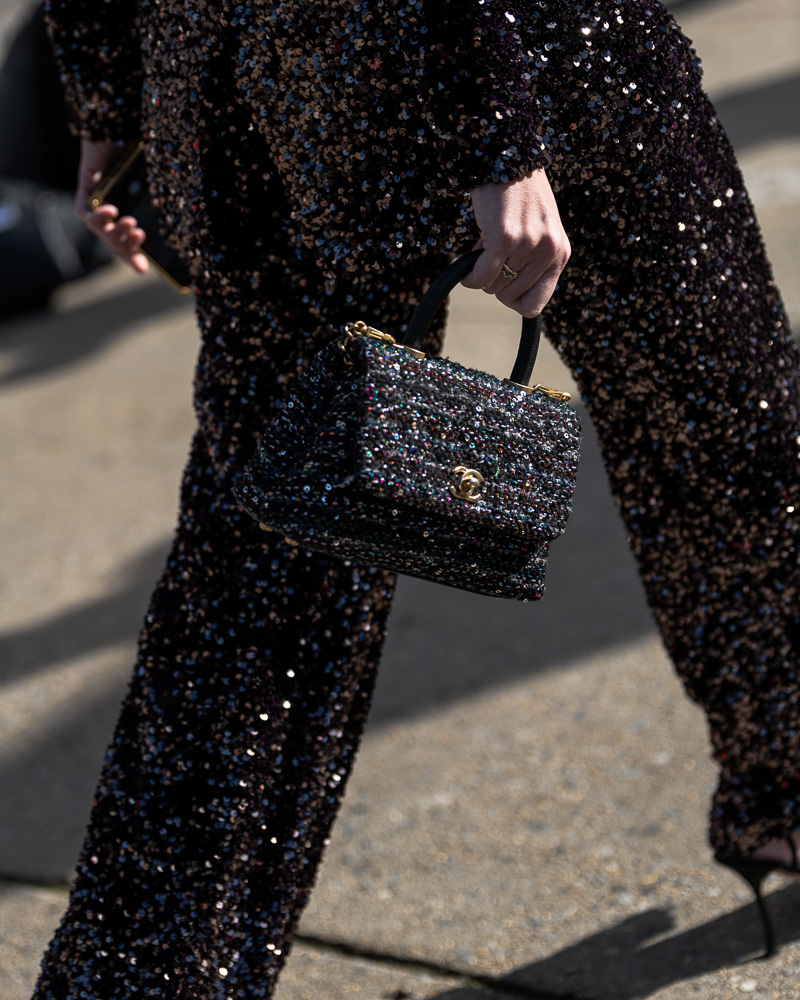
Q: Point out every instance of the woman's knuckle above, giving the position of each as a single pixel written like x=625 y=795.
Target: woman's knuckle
x=551 y=241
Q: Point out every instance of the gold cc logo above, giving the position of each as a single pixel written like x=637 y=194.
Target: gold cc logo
x=468 y=484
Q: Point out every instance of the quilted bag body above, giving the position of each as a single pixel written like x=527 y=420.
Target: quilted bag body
x=418 y=465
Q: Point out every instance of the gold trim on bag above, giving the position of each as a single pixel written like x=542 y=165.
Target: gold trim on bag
x=558 y=394
x=361 y=329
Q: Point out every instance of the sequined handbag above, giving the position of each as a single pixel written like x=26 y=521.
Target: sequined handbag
x=386 y=457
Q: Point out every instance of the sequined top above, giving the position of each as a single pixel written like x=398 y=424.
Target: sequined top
x=379 y=115
x=257 y=659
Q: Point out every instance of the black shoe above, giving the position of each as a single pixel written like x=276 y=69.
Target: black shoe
x=754 y=871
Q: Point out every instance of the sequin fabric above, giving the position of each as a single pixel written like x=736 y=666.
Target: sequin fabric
x=366 y=457
x=292 y=140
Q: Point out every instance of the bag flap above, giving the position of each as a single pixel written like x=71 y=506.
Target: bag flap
x=433 y=434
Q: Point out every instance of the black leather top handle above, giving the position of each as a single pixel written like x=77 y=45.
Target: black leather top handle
x=431 y=303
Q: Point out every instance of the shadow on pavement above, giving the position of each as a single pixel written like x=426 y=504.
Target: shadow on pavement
x=79 y=631
x=47 y=787
x=38 y=350
x=446 y=644
x=634 y=959
x=688 y=6
x=443 y=645
x=762 y=114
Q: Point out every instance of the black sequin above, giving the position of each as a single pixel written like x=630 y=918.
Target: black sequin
x=296 y=149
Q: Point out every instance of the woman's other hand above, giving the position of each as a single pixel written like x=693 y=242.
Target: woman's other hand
x=122 y=235
x=520 y=231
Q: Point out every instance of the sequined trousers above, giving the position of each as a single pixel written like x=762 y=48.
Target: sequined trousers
x=257 y=660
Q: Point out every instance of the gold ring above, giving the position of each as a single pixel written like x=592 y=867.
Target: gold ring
x=508 y=273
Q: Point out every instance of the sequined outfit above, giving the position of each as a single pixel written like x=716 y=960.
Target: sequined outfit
x=289 y=141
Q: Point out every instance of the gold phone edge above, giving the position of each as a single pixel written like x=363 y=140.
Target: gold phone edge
x=98 y=196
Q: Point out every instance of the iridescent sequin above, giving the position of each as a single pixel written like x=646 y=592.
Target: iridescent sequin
x=361 y=454
x=294 y=140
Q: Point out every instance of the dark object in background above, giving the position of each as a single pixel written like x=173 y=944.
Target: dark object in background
x=42 y=242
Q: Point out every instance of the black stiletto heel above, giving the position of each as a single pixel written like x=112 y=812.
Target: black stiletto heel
x=754 y=872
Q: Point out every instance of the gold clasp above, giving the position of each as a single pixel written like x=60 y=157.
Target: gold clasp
x=468 y=484
x=557 y=394
x=361 y=329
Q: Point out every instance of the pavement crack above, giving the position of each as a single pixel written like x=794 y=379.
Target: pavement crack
x=435 y=969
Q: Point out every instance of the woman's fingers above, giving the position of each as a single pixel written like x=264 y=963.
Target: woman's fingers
x=122 y=234
x=488 y=271
x=530 y=297
x=139 y=262
x=530 y=291
x=525 y=247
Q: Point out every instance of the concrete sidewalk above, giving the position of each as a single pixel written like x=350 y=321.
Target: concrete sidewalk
x=527 y=817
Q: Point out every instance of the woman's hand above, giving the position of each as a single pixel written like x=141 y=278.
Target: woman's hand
x=122 y=235
x=521 y=231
